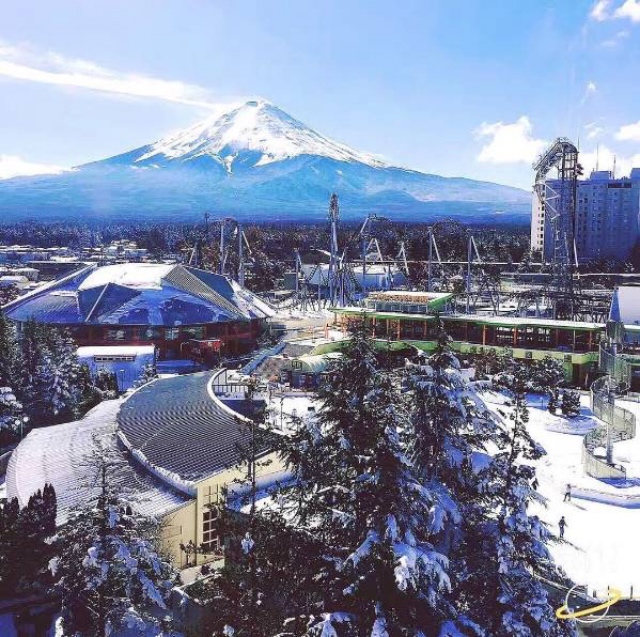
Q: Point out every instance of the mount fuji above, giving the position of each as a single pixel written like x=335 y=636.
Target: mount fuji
x=255 y=162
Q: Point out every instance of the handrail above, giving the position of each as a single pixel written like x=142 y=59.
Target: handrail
x=621 y=425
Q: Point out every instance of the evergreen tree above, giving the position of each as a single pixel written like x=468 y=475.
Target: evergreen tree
x=546 y=377
x=268 y=583
x=8 y=352
x=358 y=493
x=10 y=412
x=149 y=373
x=449 y=431
x=25 y=543
x=110 y=574
x=570 y=403
x=30 y=352
x=9 y=547
x=513 y=550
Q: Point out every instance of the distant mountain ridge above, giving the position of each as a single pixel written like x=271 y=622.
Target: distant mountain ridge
x=255 y=162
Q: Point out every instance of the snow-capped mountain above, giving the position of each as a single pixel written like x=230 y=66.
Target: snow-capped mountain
x=254 y=161
x=258 y=127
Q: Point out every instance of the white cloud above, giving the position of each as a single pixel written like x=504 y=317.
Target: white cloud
x=629 y=132
x=604 y=158
x=600 y=10
x=629 y=9
x=616 y=40
x=509 y=143
x=593 y=130
x=21 y=63
x=13 y=166
x=590 y=89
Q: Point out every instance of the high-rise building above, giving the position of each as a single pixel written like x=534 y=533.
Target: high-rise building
x=607 y=219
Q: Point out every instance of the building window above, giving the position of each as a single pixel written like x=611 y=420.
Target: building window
x=114 y=335
x=172 y=333
x=150 y=334
x=210 y=531
x=196 y=332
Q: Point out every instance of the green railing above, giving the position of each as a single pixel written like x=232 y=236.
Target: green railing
x=615 y=366
x=620 y=424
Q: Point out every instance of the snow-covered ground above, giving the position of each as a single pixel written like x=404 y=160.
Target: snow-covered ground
x=601 y=547
x=282 y=408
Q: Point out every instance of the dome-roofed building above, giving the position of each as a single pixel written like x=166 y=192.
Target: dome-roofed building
x=169 y=306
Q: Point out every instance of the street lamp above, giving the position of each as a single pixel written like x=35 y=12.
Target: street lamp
x=21 y=422
x=281 y=408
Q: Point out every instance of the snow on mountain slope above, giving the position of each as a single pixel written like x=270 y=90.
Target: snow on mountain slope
x=258 y=127
x=255 y=162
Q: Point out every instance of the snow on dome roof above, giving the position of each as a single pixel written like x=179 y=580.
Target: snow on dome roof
x=136 y=275
x=139 y=294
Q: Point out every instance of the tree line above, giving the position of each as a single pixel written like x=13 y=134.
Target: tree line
x=41 y=379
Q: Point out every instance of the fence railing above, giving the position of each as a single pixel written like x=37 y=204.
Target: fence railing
x=614 y=365
x=620 y=424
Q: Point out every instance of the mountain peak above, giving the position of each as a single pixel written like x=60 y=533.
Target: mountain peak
x=258 y=127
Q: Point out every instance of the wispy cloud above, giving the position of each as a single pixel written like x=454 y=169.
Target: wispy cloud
x=629 y=132
x=606 y=10
x=616 y=40
x=600 y=10
x=593 y=130
x=630 y=9
x=14 y=166
x=604 y=158
x=509 y=143
x=22 y=63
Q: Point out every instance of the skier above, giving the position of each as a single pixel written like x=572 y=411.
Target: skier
x=562 y=524
x=567 y=493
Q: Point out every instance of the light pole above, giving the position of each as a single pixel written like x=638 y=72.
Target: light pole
x=21 y=422
x=281 y=410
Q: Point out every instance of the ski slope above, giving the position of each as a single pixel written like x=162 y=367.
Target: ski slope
x=600 y=547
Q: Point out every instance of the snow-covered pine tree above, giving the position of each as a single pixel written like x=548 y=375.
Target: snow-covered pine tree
x=514 y=549
x=30 y=353
x=449 y=431
x=547 y=376
x=269 y=583
x=570 y=405
x=359 y=495
x=149 y=373
x=10 y=412
x=109 y=572
x=65 y=391
x=9 y=547
x=35 y=527
x=8 y=352
x=25 y=543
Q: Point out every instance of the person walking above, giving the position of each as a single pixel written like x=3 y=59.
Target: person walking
x=562 y=524
x=567 y=493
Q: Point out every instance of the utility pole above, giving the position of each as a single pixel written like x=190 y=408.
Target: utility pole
x=240 y=254
x=469 y=257
x=222 y=248
x=429 y=266
x=334 y=216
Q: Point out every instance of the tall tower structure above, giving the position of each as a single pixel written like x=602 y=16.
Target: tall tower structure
x=557 y=201
x=334 y=217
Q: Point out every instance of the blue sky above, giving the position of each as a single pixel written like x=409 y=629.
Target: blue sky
x=455 y=87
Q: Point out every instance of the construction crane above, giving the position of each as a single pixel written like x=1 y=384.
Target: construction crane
x=557 y=199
